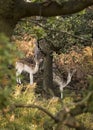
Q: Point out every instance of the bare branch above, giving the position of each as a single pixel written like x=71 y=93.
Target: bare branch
x=84 y=100
x=60 y=31
x=64 y=116
x=38 y=107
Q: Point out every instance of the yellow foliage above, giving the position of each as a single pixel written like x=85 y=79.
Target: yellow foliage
x=27 y=47
x=87 y=51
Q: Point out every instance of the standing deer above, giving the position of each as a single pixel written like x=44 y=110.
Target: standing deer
x=62 y=84
x=29 y=68
x=23 y=65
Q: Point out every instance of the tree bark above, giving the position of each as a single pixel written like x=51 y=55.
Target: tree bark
x=7 y=27
x=48 y=74
x=9 y=15
x=54 y=9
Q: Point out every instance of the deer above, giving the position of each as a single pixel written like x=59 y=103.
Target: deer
x=32 y=68
x=61 y=83
x=23 y=66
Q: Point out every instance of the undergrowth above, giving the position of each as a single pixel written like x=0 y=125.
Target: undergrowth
x=32 y=118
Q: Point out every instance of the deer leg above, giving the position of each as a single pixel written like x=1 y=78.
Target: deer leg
x=61 y=90
x=61 y=95
x=18 y=77
x=31 y=78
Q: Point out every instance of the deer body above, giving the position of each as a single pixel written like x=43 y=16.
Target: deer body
x=62 y=84
x=23 y=66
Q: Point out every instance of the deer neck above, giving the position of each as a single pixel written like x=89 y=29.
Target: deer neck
x=35 y=69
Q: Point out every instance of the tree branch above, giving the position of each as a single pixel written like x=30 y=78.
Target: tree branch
x=60 y=31
x=38 y=107
x=64 y=116
x=81 y=106
x=53 y=9
x=85 y=99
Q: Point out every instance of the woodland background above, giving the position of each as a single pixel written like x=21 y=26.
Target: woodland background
x=25 y=107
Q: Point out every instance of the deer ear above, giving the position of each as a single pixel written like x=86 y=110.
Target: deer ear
x=41 y=60
x=73 y=71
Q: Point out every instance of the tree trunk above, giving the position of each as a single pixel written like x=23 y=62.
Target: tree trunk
x=8 y=17
x=6 y=28
x=48 y=74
